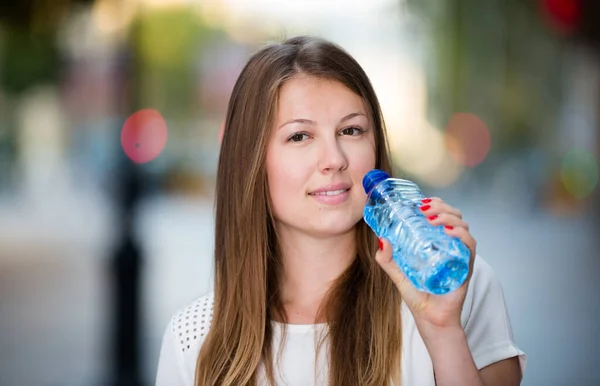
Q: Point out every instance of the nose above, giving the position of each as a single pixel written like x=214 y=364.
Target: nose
x=332 y=158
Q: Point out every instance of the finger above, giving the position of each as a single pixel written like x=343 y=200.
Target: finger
x=463 y=234
x=384 y=255
x=434 y=205
x=385 y=261
x=466 y=237
x=447 y=219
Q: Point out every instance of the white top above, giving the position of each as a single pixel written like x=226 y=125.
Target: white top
x=484 y=319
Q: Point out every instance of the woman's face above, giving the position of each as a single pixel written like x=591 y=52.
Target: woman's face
x=321 y=147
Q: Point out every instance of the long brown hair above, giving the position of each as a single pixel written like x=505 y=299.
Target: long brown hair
x=362 y=308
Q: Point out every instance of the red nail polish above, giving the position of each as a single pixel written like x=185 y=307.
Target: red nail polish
x=425 y=207
x=426 y=200
x=380 y=244
x=433 y=217
x=449 y=227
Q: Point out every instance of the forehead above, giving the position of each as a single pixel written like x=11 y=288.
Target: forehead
x=302 y=95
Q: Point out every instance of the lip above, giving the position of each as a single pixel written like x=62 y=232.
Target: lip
x=331 y=200
x=331 y=187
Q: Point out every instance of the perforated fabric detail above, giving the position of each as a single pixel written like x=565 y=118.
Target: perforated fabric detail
x=191 y=324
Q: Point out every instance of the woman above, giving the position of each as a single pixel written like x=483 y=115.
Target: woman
x=304 y=293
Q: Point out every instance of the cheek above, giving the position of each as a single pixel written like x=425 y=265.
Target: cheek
x=283 y=172
x=284 y=192
x=363 y=158
x=286 y=176
x=367 y=162
x=363 y=161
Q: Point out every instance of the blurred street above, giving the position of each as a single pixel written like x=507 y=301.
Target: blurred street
x=109 y=139
x=53 y=296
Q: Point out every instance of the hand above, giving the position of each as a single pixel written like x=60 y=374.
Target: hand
x=432 y=312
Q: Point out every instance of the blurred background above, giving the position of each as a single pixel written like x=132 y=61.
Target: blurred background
x=109 y=119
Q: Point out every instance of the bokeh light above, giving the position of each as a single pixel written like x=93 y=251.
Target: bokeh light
x=563 y=15
x=468 y=139
x=144 y=135
x=579 y=173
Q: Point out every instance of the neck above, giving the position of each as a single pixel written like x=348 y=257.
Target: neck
x=310 y=266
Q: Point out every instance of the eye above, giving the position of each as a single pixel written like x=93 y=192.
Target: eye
x=298 y=137
x=353 y=131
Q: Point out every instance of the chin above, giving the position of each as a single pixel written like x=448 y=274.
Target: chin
x=335 y=225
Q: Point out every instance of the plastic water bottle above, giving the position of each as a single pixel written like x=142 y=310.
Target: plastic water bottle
x=432 y=260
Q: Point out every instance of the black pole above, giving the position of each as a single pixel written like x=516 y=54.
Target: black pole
x=126 y=262
x=126 y=271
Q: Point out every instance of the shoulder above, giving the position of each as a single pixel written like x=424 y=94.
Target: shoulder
x=190 y=324
x=484 y=288
x=481 y=269
x=484 y=282
x=483 y=278
x=188 y=329
x=182 y=341
x=486 y=319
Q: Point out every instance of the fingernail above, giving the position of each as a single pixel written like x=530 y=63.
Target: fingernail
x=425 y=207
x=433 y=218
x=380 y=244
x=426 y=200
x=449 y=227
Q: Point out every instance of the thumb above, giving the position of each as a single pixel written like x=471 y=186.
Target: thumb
x=386 y=262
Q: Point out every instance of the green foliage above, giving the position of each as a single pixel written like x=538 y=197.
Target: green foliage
x=27 y=60
x=496 y=59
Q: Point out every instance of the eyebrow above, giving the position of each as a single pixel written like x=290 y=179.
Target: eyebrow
x=309 y=122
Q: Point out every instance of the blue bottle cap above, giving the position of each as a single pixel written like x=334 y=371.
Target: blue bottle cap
x=372 y=178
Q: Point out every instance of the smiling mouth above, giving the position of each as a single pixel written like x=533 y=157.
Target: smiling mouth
x=330 y=192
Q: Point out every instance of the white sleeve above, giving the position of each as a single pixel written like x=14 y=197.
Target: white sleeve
x=485 y=319
x=171 y=366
